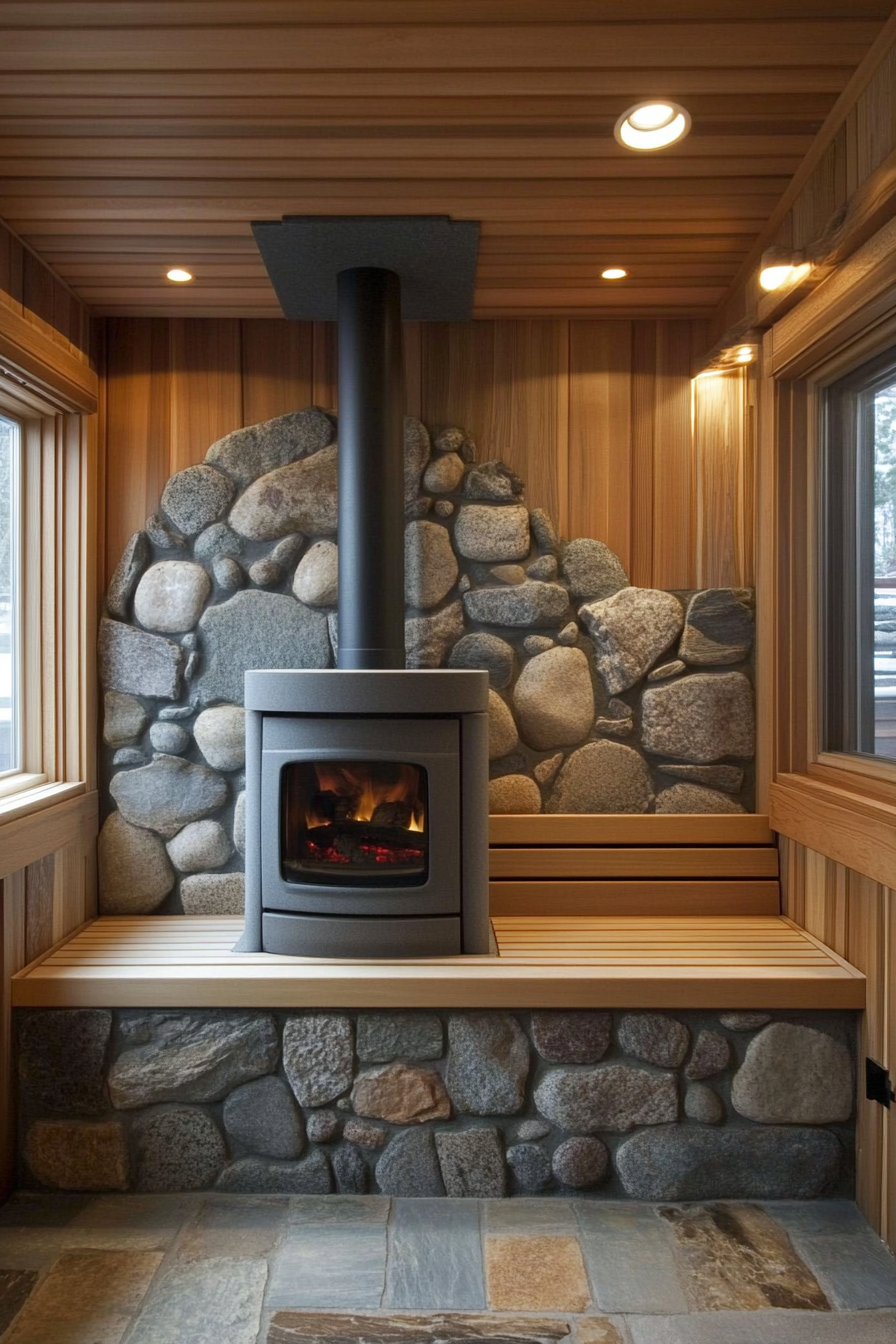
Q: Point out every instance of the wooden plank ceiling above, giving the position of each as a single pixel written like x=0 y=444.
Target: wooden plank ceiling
x=137 y=136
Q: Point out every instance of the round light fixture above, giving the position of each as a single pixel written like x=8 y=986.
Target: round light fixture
x=745 y=354
x=652 y=125
x=773 y=277
x=179 y=275
x=613 y=273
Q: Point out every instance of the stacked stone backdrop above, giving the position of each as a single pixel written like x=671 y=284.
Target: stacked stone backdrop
x=604 y=697
x=738 y=1105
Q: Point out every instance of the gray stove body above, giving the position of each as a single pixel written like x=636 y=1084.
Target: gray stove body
x=436 y=723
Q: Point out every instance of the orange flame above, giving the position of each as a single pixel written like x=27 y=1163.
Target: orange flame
x=367 y=793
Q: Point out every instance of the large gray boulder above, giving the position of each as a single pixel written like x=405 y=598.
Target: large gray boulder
x=430 y=565
x=492 y=533
x=188 y=1055
x=177 y=1148
x=300 y=497
x=701 y=718
x=259 y=449
x=135 y=874
x=488 y=1063
x=409 y=1166
x=427 y=639
x=794 y=1075
x=472 y=1163
x=770 y=1162
x=138 y=663
x=167 y=794
x=611 y=1096
x=171 y=595
x=262 y=1116
x=530 y=604
x=258 y=630
x=592 y=570
x=630 y=630
x=195 y=497
x=719 y=627
x=318 y=1056
x=488 y=653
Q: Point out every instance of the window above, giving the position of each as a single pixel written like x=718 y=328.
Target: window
x=10 y=605
x=859 y=579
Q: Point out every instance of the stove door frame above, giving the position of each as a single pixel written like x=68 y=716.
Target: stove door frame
x=430 y=741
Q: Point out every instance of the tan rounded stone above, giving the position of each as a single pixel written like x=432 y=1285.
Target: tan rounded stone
x=513 y=794
x=316 y=581
x=794 y=1075
x=502 y=734
x=401 y=1094
x=554 y=700
x=74 y=1155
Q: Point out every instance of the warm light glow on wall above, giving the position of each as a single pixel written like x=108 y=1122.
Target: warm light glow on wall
x=653 y=125
x=179 y=275
x=613 y=273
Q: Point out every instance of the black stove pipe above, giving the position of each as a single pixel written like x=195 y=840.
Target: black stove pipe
x=371 y=470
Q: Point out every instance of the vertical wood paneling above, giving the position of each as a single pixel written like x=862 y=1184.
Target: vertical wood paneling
x=856 y=916
x=595 y=417
x=40 y=879
x=600 y=455
x=206 y=386
x=275 y=368
x=12 y=959
x=137 y=428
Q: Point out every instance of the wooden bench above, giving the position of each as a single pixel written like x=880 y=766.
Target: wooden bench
x=610 y=912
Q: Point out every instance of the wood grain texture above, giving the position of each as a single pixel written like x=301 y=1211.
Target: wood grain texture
x=621 y=829
x=854 y=915
x=608 y=862
x=635 y=897
x=595 y=417
x=748 y=961
x=169 y=129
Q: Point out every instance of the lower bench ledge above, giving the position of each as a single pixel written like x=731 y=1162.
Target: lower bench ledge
x=561 y=962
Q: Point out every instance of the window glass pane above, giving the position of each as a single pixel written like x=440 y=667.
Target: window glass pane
x=10 y=758
x=882 y=426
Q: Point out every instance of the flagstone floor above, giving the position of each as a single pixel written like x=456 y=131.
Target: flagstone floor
x=216 y=1269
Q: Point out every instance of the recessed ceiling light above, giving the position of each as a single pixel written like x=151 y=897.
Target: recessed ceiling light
x=652 y=125
x=179 y=275
x=773 y=277
x=613 y=273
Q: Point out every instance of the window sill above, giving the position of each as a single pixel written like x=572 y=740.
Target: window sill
x=34 y=799
x=855 y=827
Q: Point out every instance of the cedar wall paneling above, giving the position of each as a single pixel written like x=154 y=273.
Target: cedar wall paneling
x=599 y=418
x=856 y=916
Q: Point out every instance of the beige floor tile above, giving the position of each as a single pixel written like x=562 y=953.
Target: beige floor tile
x=535 y=1274
x=597 y=1330
x=88 y=1297
x=237 y=1229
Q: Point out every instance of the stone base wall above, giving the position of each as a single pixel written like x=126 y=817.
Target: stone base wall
x=646 y=1105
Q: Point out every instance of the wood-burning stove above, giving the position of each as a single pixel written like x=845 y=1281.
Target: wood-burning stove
x=367 y=787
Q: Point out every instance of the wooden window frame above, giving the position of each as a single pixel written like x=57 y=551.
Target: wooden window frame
x=837 y=803
x=58 y=595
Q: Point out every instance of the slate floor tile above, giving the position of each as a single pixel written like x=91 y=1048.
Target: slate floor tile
x=855 y=1269
x=329 y=1265
x=88 y=1297
x=535 y=1274
x=630 y=1256
x=817 y=1217
x=435 y=1255
x=536 y=1217
x=241 y=1228
x=339 y=1208
x=766 y=1327
x=15 y=1285
x=204 y=1302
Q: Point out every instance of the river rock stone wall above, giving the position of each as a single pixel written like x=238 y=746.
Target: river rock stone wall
x=604 y=697
x=646 y=1105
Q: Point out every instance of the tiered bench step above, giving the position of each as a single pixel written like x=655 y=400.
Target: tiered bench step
x=719 y=961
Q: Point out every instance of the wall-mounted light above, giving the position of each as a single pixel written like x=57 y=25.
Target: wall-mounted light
x=782 y=266
x=178 y=275
x=653 y=125
x=613 y=273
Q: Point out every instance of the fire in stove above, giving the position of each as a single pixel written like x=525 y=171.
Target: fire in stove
x=345 y=819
